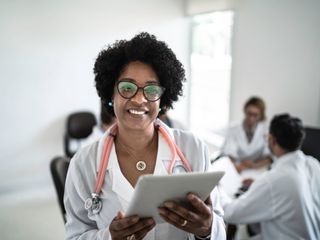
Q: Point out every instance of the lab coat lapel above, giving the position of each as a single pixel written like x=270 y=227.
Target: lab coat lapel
x=164 y=155
x=244 y=138
x=257 y=133
x=100 y=148
x=120 y=184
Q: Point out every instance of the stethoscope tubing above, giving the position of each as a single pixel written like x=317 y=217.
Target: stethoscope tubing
x=105 y=160
x=175 y=150
x=107 y=150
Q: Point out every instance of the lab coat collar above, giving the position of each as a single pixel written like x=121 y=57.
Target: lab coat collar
x=256 y=134
x=164 y=151
x=166 y=127
x=101 y=145
x=287 y=158
x=120 y=184
x=164 y=156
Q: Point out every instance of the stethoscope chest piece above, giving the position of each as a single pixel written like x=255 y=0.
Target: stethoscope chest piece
x=94 y=204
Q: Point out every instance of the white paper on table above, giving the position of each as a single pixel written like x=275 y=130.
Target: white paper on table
x=231 y=181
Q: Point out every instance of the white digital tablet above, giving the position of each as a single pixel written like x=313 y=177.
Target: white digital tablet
x=152 y=191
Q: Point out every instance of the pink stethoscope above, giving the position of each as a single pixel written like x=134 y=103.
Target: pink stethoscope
x=94 y=203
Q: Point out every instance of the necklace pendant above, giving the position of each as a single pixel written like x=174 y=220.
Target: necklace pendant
x=141 y=165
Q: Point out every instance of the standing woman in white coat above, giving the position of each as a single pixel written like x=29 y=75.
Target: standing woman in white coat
x=246 y=143
x=136 y=79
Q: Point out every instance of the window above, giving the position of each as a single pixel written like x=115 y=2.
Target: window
x=210 y=74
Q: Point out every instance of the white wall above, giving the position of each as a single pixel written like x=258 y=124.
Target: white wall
x=48 y=50
x=276 y=55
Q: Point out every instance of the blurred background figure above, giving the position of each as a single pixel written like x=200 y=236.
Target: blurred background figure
x=104 y=123
x=285 y=200
x=82 y=129
x=245 y=143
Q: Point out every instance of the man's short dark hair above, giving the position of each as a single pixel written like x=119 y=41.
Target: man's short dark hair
x=288 y=131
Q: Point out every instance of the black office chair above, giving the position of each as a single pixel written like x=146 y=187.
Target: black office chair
x=59 y=168
x=79 y=126
x=311 y=144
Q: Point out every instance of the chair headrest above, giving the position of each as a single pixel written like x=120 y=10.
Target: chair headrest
x=80 y=124
x=310 y=145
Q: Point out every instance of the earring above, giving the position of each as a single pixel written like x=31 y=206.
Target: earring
x=110 y=104
x=160 y=109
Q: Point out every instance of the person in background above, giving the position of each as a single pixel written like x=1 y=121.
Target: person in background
x=246 y=143
x=105 y=122
x=286 y=199
x=136 y=79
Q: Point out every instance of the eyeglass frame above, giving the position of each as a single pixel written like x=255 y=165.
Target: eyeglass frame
x=138 y=88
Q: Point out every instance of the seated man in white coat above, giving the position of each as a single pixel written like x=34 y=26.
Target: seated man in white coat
x=286 y=199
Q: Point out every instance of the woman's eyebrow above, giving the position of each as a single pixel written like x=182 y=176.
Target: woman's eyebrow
x=152 y=81
x=134 y=81
x=126 y=79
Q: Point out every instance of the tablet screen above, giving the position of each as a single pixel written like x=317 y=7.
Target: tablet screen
x=152 y=191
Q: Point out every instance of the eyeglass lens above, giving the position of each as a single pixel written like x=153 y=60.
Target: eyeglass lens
x=152 y=92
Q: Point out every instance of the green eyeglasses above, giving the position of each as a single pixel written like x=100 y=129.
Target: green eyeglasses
x=152 y=92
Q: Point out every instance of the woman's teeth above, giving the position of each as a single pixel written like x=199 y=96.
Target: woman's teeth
x=137 y=112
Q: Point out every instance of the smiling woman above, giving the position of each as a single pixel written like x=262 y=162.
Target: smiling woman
x=145 y=49
x=141 y=109
x=136 y=79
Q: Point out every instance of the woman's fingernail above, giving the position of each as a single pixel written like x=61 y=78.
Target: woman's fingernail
x=161 y=210
x=190 y=196
x=168 y=204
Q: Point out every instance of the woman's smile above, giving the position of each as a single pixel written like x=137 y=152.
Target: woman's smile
x=136 y=113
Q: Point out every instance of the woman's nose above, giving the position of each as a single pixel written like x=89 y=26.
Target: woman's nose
x=139 y=97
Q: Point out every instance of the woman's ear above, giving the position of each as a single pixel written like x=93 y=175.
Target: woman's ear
x=111 y=102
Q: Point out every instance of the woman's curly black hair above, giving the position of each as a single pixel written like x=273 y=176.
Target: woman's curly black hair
x=145 y=48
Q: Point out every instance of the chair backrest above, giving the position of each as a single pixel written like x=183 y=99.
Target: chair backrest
x=311 y=144
x=59 y=168
x=79 y=126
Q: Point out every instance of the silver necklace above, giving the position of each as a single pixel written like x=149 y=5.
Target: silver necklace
x=141 y=165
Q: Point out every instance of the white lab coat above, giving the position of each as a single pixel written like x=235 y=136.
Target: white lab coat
x=237 y=146
x=117 y=191
x=285 y=200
